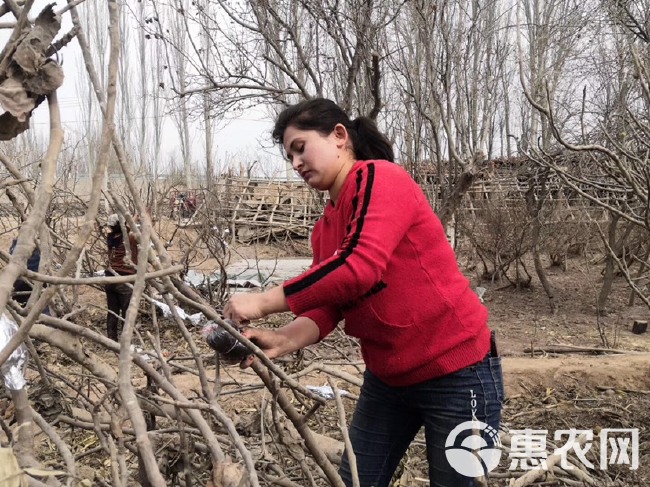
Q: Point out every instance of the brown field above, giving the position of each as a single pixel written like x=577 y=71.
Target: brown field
x=544 y=390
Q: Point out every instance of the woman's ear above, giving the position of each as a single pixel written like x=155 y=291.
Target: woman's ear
x=341 y=135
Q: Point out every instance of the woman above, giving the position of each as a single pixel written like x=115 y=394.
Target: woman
x=383 y=264
x=118 y=296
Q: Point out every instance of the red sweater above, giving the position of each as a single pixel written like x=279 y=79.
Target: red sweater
x=383 y=263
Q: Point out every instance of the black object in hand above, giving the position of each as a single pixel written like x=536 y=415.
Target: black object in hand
x=223 y=342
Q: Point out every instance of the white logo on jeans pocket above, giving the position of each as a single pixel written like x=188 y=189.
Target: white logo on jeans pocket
x=475 y=456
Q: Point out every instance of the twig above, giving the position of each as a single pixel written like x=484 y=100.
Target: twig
x=538 y=472
x=61 y=445
x=302 y=428
x=352 y=458
x=575 y=349
x=89 y=281
x=330 y=371
x=629 y=391
x=115 y=473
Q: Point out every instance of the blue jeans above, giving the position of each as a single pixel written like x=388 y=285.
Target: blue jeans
x=387 y=419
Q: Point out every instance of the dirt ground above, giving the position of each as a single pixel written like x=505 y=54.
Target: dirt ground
x=544 y=390
x=576 y=390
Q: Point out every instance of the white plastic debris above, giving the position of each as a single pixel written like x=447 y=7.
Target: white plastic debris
x=139 y=351
x=245 y=280
x=195 y=318
x=166 y=310
x=13 y=370
x=480 y=291
x=327 y=392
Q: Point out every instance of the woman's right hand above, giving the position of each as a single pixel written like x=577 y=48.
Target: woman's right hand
x=297 y=334
x=268 y=340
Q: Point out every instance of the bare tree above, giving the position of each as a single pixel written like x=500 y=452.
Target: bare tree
x=548 y=40
x=280 y=49
x=105 y=392
x=448 y=61
x=609 y=141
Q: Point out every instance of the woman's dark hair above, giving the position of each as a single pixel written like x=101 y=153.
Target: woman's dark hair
x=323 y=115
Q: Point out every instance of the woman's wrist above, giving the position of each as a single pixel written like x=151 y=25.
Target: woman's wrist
x=273 y=301
x=299 y=333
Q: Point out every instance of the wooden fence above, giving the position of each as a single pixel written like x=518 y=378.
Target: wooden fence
x=265 y=210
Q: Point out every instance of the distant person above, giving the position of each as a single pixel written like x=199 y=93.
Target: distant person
x=118 y=296
x=383 y=264
x=179 y=206
x=190 y=205
x=22 y=289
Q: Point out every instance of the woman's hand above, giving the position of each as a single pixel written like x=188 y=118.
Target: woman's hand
x=298 y=334
x=269 y=341
x=245 y=307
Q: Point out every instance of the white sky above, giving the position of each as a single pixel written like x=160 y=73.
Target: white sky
x=245 y=139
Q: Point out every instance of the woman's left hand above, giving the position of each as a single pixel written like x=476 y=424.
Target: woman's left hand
x=244 y=307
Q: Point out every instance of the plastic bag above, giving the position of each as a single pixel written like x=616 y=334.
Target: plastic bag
x=13 y=370
x=223 y=342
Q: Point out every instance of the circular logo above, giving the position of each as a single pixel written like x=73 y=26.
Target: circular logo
x=475 y=456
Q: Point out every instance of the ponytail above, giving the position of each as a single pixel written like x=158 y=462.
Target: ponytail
x=323 y=115
x=369 y=142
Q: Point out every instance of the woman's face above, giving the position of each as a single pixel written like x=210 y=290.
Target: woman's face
x=317 y=158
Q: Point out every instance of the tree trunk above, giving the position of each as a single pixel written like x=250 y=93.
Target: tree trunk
x=615 y=247
x=539 y=189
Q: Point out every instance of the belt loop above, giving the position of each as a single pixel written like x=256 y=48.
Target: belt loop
x=493 y=344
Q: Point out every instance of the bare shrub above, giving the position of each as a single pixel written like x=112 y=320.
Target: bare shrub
x=498 y=229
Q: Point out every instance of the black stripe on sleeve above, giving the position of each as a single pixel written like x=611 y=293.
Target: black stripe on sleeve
x=355 y=202
x=323 y=271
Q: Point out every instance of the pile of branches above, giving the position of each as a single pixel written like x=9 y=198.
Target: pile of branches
x=572 y=404
x=271 y=211
x=153 y=434
x=111 y=427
